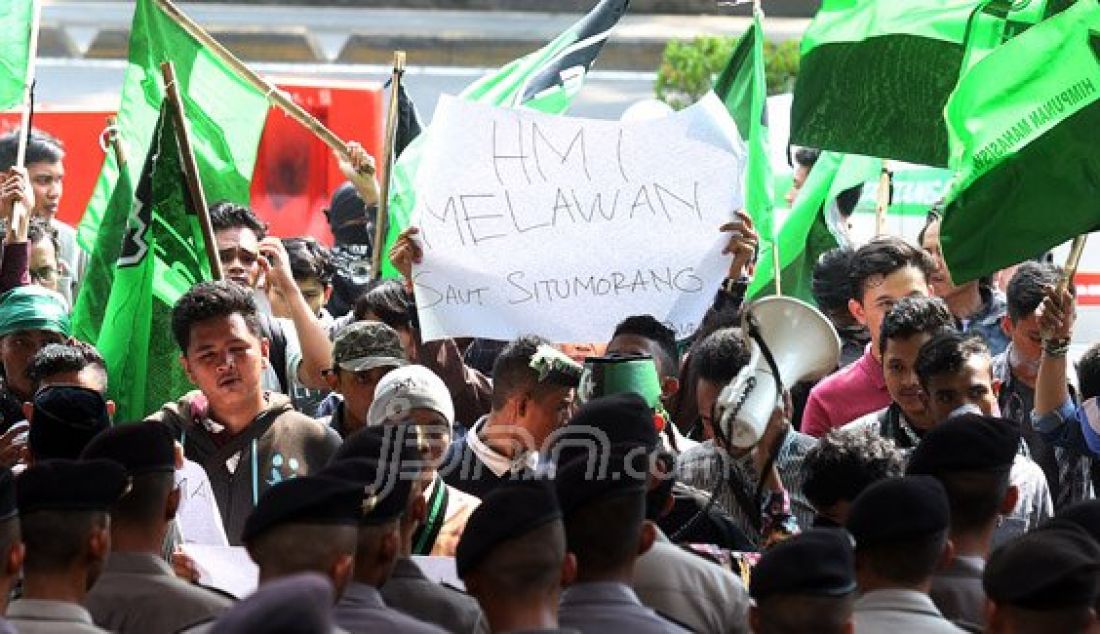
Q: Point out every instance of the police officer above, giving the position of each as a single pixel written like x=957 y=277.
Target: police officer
x=1044 y=581
x=805 y=584
x=512 y=556
x=408 y=589
x=900 y=528
x=297 y=604
x=972 y=456
x=63 y=508
x=138 y=591
x=606 y=529
x=386 y=495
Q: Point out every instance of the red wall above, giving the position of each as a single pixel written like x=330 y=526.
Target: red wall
x=295 y=172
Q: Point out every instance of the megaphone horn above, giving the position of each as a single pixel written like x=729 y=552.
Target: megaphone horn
x=790 y=341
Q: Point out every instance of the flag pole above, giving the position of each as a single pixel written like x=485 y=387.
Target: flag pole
x=19 y=213
x=275 y=97
x=191 y=167
x=882 y=202
x=1072 y=262
x=381 y=222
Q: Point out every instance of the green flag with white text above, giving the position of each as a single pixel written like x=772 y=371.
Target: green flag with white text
x=15 y=27
x=811 y=228
x=161 y=256
x=226 y=114
x=1023 y=133
x=742 y=87
x=875 y=74
x=546 y=80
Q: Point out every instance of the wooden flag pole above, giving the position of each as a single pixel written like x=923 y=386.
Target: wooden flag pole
x=381 y=222
x=1072 y=261
x=191 y=167
x=111 y=140
x=882 y=203
x=20 y=215
x=274 y=96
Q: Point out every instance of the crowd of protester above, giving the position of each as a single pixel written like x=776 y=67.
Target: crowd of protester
x=942 y=478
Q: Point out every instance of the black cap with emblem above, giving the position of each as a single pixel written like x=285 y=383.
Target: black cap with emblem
x=384 y=489
x=305 y=500
x=68 y=485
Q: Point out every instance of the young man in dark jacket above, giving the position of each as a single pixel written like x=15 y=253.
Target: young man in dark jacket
x=247 y=439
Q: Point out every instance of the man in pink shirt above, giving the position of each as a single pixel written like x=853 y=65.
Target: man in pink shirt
x=883 y=271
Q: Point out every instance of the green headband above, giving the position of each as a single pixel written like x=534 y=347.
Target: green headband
x=33 y=308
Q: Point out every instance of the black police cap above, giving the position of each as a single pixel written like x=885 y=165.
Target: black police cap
x=897 y=509
x=622 y=418
x=289 y=605
x=69 y=485
x=384 y=489
x=139 y=447
x=970 y=442
x=817 y=562
x=305 y=500
x=1055 y=566
x=511 y=510
x=599 y=476
x=66 y=418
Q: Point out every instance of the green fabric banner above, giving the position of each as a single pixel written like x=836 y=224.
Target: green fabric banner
x=806 y=233
x=1022 y=126
x=226 y=114
x=875 y=74
x=546 y=80
x=161 y=256
x=15 y=24
x=743 y=88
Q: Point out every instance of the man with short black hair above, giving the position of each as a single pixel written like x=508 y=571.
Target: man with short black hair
x=533 y=387
x=883 y=271
x=247 y=439
x=46 y=170
x=715 y=466
x=831 y=288
x=956 y=375
x=803 y=584
x=70 y=363
x=64 y=519
x=138 y=591
x=900 y=529
x=972 y=457
x=842 y=464
x=1017 y=370
x=910 y=324
x=1045 y=581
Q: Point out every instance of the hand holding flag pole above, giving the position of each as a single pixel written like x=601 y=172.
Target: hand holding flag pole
x=275 y=96
x=21 y=215
x=381 y=222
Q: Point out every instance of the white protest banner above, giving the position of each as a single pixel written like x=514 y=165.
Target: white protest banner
x=559 y=226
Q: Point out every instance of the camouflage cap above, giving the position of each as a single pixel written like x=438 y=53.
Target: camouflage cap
x=365 y=345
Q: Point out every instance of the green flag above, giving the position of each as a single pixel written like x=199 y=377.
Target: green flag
x=226 y=113
x=875 y=74
x=546 y=80
x=742 y=87
x=15 y=25
x=161 y=255
x=811 y=230
x=1023 y=125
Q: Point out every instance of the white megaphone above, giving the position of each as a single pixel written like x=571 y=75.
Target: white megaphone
x=804 y=345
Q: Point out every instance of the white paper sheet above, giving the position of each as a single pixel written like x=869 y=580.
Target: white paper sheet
x=561 y=226
x=227 y=568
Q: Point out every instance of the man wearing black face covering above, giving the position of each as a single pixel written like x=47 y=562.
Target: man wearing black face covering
x=681 y=586
x=352 y=224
